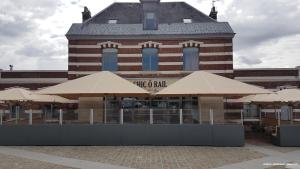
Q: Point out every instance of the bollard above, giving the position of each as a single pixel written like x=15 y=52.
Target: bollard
x=91 y=116
x=180 y=117
x=151 y=116
x=121 y=116
x=60 y=117
x=30 y=117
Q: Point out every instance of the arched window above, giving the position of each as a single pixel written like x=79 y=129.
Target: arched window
x=110 y=59
x=150 y=59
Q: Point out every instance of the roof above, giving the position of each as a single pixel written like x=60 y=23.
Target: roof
x=204 y=29
x=131 y=13
x=95 y=85
x=201 y=83
x=130 y=22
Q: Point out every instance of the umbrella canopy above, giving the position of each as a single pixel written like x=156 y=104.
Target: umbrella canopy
x=290 y=95
x=201 y=83
x=261 y=98
x=16 y=94
x=96 y=85
x=23 y=95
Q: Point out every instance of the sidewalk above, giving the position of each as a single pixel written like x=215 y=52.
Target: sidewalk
x=68 y=162
x=274 y=157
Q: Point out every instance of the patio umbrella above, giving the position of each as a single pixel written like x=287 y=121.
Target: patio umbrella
x=96 y=85
x=260 y=99
x=201 y=83
x=100 y=84
x=23 y=96
x=290 y=95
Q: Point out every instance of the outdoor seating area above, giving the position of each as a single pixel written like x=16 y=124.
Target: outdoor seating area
x=112 y=100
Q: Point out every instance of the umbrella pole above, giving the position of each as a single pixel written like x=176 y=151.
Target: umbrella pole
x=105 y=110
x=292 y=114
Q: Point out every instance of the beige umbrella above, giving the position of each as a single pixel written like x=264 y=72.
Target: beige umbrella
x=261 y=98
x=201 y=83
x=96 y=85
x=23 y=95
x=290 y=95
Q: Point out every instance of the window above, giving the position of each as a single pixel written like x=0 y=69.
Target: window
x=186 y=20
x=150 y=22
x=110 y=59
x=112 y=21
x=150 y=59
x=191 y=59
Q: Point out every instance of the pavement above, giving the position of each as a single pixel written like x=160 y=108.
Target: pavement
x=188 y=157
x=289 y=160
x=68 y=162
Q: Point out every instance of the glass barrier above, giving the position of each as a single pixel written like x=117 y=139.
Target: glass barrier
x=136 y=116
x=166 y=116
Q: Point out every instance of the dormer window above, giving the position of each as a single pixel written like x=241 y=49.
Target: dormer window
x=113 y=21
x=187 y=20
x=150 y=22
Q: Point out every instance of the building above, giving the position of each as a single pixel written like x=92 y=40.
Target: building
x=153 y=41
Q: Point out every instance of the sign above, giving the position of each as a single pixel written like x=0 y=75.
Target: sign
x=153 y=84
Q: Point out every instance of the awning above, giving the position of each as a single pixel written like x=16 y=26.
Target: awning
x=201 y=83
x=96 y=85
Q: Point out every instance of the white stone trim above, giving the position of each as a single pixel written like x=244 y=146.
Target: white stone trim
x=130 y=64
x=170 y=63
x=170 y=54
x=84 y=55
x=109 y=44
x=217 y=45
x=85 y=64
x=215 y=62
x=191 y=43
x=151 y=72
x=32 y=80
x=130 y=47
x=160 y=46
x=267 y=78
x=130 y=55
x=216 y=53
x=150 y=44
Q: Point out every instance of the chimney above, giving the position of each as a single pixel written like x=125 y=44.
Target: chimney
x=11 y=68
x=213 y=13
x=86 y=14
x=150 y=14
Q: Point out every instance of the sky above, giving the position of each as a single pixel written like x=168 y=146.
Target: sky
x=32 y=32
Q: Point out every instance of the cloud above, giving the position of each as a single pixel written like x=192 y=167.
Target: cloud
x=249 y=60
x=259 y=21
x=32 y=31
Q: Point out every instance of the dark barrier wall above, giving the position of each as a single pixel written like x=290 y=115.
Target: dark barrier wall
x=110 y=135
x=288 y=136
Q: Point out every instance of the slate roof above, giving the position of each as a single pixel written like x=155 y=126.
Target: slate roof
x=129 y=16
x=168 y=12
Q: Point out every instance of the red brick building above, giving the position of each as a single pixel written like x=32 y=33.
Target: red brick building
x=152 y=40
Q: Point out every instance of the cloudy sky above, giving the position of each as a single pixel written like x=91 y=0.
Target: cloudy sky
x=32 y=31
